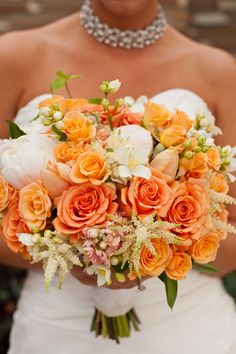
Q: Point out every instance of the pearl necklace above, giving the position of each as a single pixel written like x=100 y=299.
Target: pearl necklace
x=115 y=37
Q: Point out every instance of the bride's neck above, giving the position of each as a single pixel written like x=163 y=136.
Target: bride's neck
x=123 y=20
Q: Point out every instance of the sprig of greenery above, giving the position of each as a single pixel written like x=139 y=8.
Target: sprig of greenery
x=205 y=268
x=171 y=287
x=59 y=134
x=61 y=81
x=14 y=131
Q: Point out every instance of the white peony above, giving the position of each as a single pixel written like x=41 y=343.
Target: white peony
x=131 y=147
x=22 y=159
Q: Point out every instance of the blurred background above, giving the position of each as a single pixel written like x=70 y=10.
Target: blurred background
x=208 y=21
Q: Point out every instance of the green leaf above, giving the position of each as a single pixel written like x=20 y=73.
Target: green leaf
x=118 y=268
x=61 y=81
x=57 y=84
x=205 y=268
x=171 y=287
x=62 y=136
x=97 y=117
x=95 y=100
x=75 y=76
x=35 y=118
x=14 y=131
x=61 y=75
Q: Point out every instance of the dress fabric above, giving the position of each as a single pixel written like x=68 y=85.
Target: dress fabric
x=203 y=320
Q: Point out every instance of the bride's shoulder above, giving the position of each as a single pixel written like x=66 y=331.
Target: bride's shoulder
x=207 y=57
x=24 y=45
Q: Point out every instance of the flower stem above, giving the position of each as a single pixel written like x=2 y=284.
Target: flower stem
x=114 y=327
x=67 y=89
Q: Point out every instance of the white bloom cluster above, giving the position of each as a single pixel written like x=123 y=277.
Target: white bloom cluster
x=110 y=86
x=136 y=106
x=130 y=147
x=228 y=159
x=205 y=125
x=49 y=116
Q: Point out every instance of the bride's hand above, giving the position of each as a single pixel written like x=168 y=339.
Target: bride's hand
x=91 y=280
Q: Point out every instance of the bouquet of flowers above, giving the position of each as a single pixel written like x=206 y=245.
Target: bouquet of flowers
x=123 y=189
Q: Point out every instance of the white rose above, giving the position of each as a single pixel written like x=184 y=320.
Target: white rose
x=22 y=159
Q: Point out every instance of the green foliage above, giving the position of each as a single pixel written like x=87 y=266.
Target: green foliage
x=205 y=268
x=61 y=81
x=95 y=100
x=230 y=284
x=14 y=131
x=60 y=135
x=121 y=268
x=171 y=287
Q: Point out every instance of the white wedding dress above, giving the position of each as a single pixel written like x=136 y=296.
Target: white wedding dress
x=203 y=320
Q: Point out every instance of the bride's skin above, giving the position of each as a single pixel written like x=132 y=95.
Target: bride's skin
x=29 y=60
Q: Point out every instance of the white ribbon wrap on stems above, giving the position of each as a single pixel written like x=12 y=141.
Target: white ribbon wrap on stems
x=113 y=302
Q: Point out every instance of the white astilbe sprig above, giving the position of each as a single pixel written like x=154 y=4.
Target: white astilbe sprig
x=222 y=198
x=57 y=255
x=217 y=200
x=138 y=234
x=223 y=226
x=215 y=207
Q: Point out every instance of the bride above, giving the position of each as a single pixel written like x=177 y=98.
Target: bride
x=170 y=69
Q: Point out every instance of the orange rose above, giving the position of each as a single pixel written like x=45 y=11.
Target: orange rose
x=58 y=101
x=181 y=118
x=7 y=193
x=103 y=134
x=214 y=160
x=115 y=116
x=34 y=205
x=205 y=249
x=173 y=135
x=197 y=164
x=146 y=197
x=155 y=116
x=56 y=179
x=82 y=206
x=12 y=225
x=64 y=105
x=67 y=151
x=131 y=118
x=90 y=166
x=154 y=265
x=75 y=103
x=179 y=266
x=189 y=208
x=78 y=128
x=219 y=183
x=167 y=162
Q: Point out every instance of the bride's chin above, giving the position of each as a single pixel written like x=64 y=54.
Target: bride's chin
x=125 y=7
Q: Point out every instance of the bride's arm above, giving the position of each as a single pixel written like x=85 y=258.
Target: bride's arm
x=224 y=88
x=8 y=258
x=11 y=78
x=11 y=88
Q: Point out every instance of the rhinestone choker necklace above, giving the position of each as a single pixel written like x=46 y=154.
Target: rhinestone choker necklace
x=115 y=37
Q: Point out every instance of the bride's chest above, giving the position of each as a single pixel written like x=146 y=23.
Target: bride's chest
x=139 y=74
